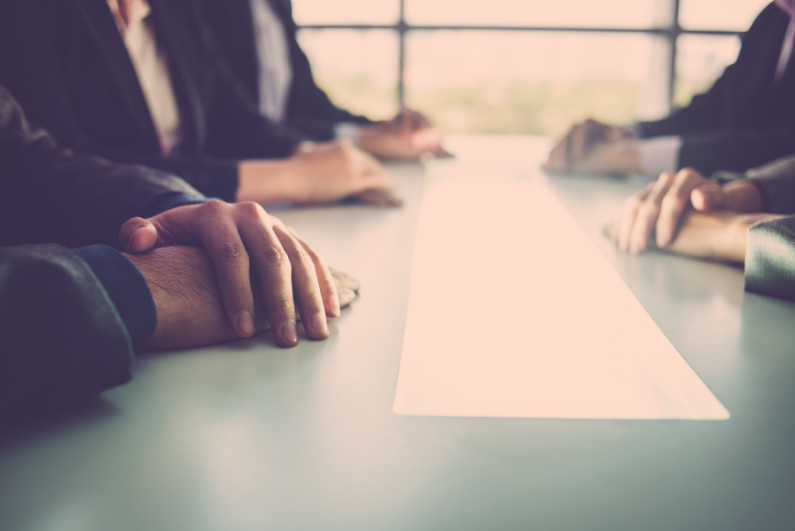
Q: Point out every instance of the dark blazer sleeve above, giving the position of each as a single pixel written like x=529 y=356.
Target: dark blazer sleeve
x=735 y=148
x=61 y=337
x=51 y=194
x=230 y=123
x=770 y=259
x=776 y=182
x=744 y=119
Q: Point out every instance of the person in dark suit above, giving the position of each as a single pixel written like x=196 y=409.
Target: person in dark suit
x=746 y=119
x=70 y=318
x=258 y=38
x=140 y=82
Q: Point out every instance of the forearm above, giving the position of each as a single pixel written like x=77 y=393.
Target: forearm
x=271 y=181
x=735 y=149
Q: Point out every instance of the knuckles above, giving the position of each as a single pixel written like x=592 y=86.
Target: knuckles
x=273 y=256
x=233 y=252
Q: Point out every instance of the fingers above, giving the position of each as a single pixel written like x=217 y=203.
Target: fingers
x=558 y=159
x=379 y=197
x=325 y=278
x=707 y=196
x=572 y=148
x=137 y=235
x=579 y=143
x=622 y=229
x=305 y=281
x=343 y=280
x=220 y=237
x=346 y=297
x=273 y=268
x=648 y=213
x=676 y=200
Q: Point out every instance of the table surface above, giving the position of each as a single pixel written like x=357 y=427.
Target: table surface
x=246 y=436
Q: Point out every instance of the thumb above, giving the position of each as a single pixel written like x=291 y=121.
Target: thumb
x=137 y=235
x=708 y=196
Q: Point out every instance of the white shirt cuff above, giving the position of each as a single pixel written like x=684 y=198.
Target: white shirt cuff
x=348 y=131
x=660 y=154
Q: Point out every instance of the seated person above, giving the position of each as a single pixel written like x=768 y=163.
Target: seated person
x=258 y=39
x=71 y=318
x=746 y=119
x=748 y=218
x=140 y=84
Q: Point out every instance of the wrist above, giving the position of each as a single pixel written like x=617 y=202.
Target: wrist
x=744 y=195
x=268 y=181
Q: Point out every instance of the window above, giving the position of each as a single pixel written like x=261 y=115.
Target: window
x=520 y=66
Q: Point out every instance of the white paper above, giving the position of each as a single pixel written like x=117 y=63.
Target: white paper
x=513 y=312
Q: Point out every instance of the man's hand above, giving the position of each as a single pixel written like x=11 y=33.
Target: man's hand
x=190 y=310
x=572 y=151
x=407 y=136
x=189 y=303
x=243 y=241
x=657 y=210
x=716 y=235
x=318 y=173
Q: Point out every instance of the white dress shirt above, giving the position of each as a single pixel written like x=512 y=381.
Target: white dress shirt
x=275 y=71
x=151 y=65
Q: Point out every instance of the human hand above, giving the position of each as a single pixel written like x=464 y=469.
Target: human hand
x=337 y=170
x=407 y=136
x=620 y=156
x=572 y=150
x=240 y=238
x=718 y=235
x=659 y=208
x=190 y=309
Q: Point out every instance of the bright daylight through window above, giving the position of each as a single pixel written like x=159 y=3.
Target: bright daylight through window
x=520 y=66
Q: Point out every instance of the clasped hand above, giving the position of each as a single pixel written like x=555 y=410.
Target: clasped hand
x=242 y=243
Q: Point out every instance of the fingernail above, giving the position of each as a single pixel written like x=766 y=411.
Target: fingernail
x=334 y=303
x=245 y=323
x=318 y=323
x=130 y=237
x=289 y=332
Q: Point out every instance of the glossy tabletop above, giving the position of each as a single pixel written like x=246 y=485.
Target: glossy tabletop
x=245 y=436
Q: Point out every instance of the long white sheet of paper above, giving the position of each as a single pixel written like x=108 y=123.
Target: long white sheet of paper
x=513 y=312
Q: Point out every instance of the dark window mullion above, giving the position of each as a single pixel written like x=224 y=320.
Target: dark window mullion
x=401 y=29
x=676 y=30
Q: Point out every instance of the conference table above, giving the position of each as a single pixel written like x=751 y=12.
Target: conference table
x=246 y=436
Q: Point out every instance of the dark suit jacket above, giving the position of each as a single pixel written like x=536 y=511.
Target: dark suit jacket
x=67 y=63
x=745 y=119
x=309 y=109
x=60 y=336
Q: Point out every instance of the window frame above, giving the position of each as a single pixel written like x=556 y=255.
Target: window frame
x=670 y=33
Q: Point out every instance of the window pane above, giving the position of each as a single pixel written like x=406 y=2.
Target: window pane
x=700 y=60
x=357 y=68
x=572 y=13
x=734 y=15
x=346 y=11
x=533 y=82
